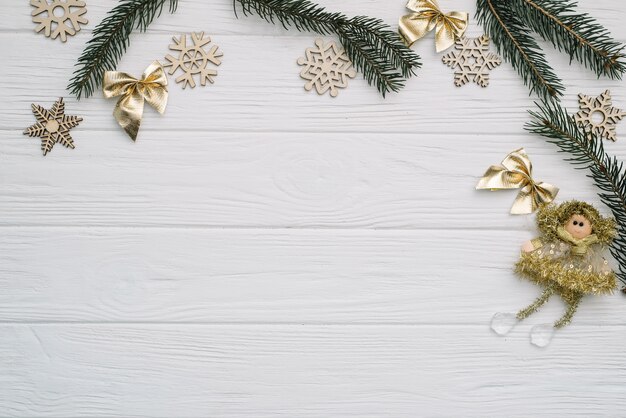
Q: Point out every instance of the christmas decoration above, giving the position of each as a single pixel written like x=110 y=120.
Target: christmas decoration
x=53 y=126
x=602 y=107
x=516 y=173
x=374 y=49
x=152 y=87
x=510 y=24
x=567 y=261
x=193 y=59
x=427 y=16
x=586 y=150
x=326 y=67
x=58 y=18
x=472 y=62
x=110 y=40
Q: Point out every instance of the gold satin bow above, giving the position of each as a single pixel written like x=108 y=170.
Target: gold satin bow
x=427 y=16
x=515 y=173
x=129 y=108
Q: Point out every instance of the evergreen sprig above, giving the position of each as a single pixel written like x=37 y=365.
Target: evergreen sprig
x=110 y=40
x=510 y=23
x=375 y=50
x=586 y=151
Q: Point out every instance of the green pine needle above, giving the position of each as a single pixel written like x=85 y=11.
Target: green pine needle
x=587 y=152
x=577 y=34
x=514 y=42
x=110 y=40
x=510 y=23
x=374 y=49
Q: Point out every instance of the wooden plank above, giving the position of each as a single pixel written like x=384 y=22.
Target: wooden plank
x=270 y=276
x=306 y=371
x=273 y=180
x=258 y=89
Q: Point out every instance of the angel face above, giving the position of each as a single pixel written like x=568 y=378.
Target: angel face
x=579 y=226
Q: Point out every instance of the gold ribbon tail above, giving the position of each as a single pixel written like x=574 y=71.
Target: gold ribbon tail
x=152 y=87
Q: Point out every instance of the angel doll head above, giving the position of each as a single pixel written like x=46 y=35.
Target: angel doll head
x=578 y=220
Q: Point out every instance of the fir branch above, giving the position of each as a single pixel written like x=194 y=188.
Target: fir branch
x=514 y=42
x=587 y=152
x=110 y=40
x=374 y=49
x=577 y=34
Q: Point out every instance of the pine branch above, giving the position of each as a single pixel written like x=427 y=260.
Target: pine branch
x=374 y=49
x=110 y=40
x=587 y=152
x=513 y=41
x=577 y=34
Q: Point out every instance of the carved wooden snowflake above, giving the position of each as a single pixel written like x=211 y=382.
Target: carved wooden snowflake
x=193 y=59
x=598 y=115
x=58 y=17
x=53 y=126
x=472 y=60
x=326 y=67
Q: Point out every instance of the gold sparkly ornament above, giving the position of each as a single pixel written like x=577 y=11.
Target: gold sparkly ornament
x=515 y=172
x=58 y=18
x=601 y=109
x=53 y=126
x=326 y=67
x=427 y=16
x=472 y=61
x=193 y=59
x=151 y=88
x=567 y=260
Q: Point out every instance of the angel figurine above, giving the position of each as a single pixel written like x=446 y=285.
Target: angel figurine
x=566 y=260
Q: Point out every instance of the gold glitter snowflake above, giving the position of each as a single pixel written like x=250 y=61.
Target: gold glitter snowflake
x=598 y=115
x=472 y=61
x=53 y=126
x=326 y=67
x=58 y=17
x=193 y=59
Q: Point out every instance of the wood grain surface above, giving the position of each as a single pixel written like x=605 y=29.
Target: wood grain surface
x=264 y=252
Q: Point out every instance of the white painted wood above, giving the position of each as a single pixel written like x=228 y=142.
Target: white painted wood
x=263 y=252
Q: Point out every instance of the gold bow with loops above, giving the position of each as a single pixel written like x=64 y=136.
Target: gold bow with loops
x=514 y=173
x=427 y=16
x=129 y=108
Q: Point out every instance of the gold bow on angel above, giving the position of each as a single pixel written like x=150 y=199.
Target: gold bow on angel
x=427 y=16
x=129 y=108
x=516 y=173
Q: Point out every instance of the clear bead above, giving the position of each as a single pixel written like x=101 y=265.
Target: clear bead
x=541 y=335
x=503 y=323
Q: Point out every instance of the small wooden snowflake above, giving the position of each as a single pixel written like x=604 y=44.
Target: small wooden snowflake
x=326 y=67
x=193 y=59
x=598 y=115
x=472 y=61
x=58 y=17
x=53 y=126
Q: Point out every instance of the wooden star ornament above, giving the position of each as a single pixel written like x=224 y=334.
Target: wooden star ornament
x=53 y=126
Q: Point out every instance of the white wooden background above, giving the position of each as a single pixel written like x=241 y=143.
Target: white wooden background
x=261 y=251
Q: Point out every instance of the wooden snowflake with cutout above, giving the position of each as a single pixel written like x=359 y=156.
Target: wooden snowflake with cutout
x=193 y=59
x=598 y=115
x=472 y=61
x=326 y=67
x=58 y=18
x=53 y=126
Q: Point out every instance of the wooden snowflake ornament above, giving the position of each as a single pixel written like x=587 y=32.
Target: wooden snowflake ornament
x=53 y=126
x=58 y=18
x=193 y=59
x=472 y=61
x=326 y=67
x=598 y=115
